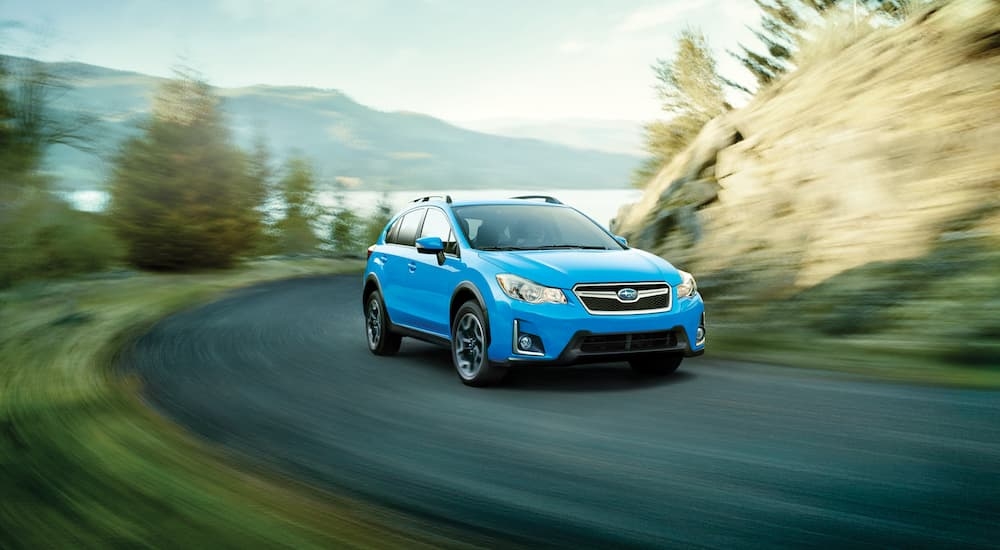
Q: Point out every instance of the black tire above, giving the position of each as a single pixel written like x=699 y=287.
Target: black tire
x=381 y=339
x=658 y=364
x=469 y=343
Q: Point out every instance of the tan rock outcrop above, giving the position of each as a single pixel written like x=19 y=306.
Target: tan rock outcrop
x=861 y=157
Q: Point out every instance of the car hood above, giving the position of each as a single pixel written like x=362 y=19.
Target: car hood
x=565 y=268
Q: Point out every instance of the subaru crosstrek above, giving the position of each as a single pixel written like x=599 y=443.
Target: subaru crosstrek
x=525 y=282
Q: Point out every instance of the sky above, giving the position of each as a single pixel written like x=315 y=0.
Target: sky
x=460 y=60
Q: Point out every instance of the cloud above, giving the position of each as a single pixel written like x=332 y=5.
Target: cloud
x=654 y=16
x=571 y=47
x=269 y=9
x=405 y=56
x=6 y=24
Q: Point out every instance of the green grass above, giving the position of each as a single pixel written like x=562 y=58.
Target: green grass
x=84 y=463
x=875 y=357
x=926 y=320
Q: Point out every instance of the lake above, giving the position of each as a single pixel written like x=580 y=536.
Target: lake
x=602 y=205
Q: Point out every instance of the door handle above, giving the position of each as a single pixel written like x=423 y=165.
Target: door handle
x=412 y=266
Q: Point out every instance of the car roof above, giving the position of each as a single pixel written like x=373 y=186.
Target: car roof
x=536 y=200
x=494 y=202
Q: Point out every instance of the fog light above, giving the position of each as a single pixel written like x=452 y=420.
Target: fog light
x=700 y=335
x=526 y=343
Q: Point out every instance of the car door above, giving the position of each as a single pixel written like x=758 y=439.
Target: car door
x=397 y=259
x=431 y=284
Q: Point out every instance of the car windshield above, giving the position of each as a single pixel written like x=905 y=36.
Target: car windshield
x=531 y=227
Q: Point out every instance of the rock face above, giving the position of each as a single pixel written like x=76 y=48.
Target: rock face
x=868 y=155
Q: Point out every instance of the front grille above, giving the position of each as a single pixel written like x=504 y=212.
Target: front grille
x=604 y=299
x=617 y=343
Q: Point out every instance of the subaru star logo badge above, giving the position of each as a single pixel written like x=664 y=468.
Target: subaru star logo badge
x=628 y=295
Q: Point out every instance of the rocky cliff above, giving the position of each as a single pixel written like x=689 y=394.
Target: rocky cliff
x=884 y=154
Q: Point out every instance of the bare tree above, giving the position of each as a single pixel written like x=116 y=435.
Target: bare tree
x=29 y=123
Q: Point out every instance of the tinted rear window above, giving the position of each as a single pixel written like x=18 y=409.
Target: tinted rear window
x=405 y=229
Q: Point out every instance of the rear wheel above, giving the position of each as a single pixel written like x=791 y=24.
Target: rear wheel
x=468 y=347
x=381 y=341
x=658 y=364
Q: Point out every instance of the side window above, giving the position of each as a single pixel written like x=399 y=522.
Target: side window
x=390 y=236
x=404 y=231
x=436 y=225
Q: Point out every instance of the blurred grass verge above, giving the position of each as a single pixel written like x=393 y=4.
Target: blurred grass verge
x=928 y=320
x=876 y=358
x=86 y=464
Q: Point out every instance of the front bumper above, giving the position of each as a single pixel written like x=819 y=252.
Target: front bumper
x=568 y=334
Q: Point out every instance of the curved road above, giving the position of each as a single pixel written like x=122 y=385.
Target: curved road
x=720 y=455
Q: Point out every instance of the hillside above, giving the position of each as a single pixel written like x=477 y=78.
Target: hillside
x=347 y=140
x=855 y=203
x=612 y=136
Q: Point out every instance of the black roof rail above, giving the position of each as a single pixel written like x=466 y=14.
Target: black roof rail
x=447 y=198
x=548 y=199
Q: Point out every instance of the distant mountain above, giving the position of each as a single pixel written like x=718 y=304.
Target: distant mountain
x=348 y=141
x=610 y=136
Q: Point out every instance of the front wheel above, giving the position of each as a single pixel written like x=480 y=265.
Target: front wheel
x=381 y=340
x=658 y=364
x=468 y=347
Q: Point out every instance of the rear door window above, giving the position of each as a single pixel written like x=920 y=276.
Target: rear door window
x=404 y=231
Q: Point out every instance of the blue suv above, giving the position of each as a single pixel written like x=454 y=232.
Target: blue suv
x=527 y=282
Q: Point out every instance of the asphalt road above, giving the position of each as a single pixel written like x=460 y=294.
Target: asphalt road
x=719 y=455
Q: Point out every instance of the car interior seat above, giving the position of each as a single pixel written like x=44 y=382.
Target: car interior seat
x=488 y=236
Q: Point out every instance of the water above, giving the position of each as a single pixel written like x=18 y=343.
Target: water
x=89 y=200
x=602 y=205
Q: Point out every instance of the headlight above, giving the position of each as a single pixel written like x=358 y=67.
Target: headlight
x=522 y=289
x=688 y=285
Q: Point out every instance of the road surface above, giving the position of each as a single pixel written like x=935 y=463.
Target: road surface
x=719 y=455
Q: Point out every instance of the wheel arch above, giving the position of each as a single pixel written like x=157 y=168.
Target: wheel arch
x=465 y=292
x=371 y=284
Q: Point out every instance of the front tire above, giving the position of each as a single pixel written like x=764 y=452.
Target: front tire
x=469 y=345
x=381 y=340
x=658 y=364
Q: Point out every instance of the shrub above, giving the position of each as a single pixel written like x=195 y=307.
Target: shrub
x=44 y=237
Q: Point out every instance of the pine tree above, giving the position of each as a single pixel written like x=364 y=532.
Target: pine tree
x=781 y=27
x=377 y=222
x=181 y=193
x=345 y=232
x=691 y=92
x=297 y=188
x=260 y=170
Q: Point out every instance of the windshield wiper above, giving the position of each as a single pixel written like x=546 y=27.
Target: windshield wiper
x=503 y=248
x=569 y=246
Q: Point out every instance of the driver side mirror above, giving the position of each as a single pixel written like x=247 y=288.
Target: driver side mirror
x=431 y=245
x=622 y=240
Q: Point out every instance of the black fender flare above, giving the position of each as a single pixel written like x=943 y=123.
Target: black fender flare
x=453 y=305
x=373 y=280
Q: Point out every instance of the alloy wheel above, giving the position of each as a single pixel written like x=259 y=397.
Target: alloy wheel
x=374 y=323
x=469 y=345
